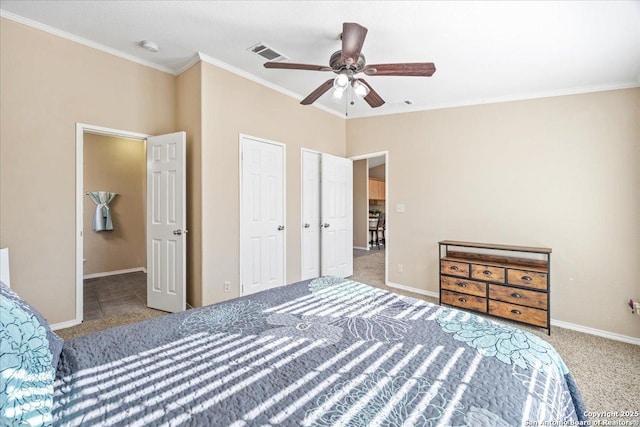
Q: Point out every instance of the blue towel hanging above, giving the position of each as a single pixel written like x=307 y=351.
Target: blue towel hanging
x=102 y=219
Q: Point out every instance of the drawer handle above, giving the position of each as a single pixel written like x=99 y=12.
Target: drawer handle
x=516 y=311
x=487 y=273
x=454 y=268
x=516 y=295
x=462 y=299
x=462 y=285
x=527 y=278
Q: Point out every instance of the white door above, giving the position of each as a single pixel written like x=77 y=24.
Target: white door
x=262 y=215
x=310 y=215
x=166 y=216
x=336 y=204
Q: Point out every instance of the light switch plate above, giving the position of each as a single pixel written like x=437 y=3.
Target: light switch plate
x=400 y=207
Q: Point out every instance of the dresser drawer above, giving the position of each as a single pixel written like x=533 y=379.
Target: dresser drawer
x=465 y=301
x=488 y=273
x=452 y=268
x=529 y=315
x=463 y=285
x=531 y=279
x=518 y=296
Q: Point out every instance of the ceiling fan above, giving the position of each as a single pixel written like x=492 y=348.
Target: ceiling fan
x=348 y=62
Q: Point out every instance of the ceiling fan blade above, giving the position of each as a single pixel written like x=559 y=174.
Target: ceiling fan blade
x=424 y=69
x=352 y=40
x=318 y=92
x=292 y=66
x=373 y=99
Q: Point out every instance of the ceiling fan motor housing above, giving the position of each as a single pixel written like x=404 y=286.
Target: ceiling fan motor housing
x=338 y=65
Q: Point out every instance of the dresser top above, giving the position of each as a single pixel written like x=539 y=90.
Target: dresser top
x=496 y=247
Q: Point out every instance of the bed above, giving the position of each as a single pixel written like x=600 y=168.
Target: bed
x=324 y=352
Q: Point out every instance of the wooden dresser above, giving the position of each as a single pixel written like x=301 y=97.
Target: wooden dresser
x=512 y=282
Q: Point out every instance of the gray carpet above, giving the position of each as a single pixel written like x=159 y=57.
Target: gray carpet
x=91 y=326
x=607 y=372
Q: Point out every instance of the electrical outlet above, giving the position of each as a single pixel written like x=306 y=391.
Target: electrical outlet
x=227 y=286
x=400 y=268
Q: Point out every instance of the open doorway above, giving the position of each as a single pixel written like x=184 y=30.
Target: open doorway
x=111 y=191
x=164 y=213
x=114 y=225
x=370 y=222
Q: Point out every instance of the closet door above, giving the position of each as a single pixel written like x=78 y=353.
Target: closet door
x=310 y=256
x=336 y=206
x=262 y=238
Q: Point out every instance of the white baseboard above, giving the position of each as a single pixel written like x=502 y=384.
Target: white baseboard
x=597 y=332
x=435 y=295
x=113 y=273
x=63 y=325
x=559 y=323
x=360 y=247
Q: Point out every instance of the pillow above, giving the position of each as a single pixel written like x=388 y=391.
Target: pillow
x=55 y=342
x=26 y=374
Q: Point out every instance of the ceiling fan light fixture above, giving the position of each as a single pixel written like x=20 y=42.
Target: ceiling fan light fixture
x=361 y=90
x=337 y=94
x=341 y=82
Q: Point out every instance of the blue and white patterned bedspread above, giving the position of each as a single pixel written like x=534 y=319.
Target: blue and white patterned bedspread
x=327 y=352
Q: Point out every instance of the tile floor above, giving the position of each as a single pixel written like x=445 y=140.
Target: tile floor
x=113 y=295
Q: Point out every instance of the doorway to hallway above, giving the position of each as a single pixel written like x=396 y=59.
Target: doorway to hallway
x=370 y=220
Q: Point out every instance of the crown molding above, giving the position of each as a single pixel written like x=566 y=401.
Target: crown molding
x=72 y=37
x=510 y=98
x=216 y=62
x=374 y=113
x=194 y=60
x=190 y=63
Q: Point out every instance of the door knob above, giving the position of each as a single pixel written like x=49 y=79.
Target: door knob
x=280 y=227
x=177 y=232
x=326 y=225
x=307 y=226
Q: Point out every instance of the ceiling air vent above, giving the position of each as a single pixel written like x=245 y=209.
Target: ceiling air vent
x=266 y=52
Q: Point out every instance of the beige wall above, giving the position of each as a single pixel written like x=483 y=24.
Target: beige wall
x=116 y=165
x=48 y=84
x=232 y=105
x=360 y=204
x=561 y=172
x=189 y=119
x=378 y=172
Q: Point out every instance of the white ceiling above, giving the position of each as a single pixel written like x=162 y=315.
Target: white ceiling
x=484 y=51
